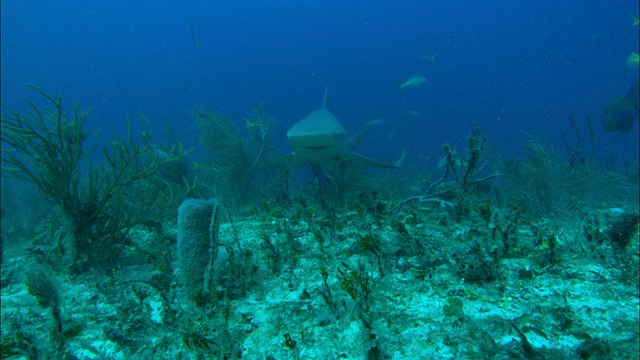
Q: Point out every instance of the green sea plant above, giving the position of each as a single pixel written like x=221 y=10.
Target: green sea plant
x=358 y=284
x=370 y=243
x=239 y=168
x=576 y=154
x=400 y=228
x=99 y=203
x=475 y=261
x=17 y=343
x=529 y=351
x=460 y=177
x=547 y=184
x=197 y=342
x=375 y=352
x=593 y=348
x=339 y=182
x=623 y=229
x=548 y=247
x=39 y=285
x=484 y=209
x=325 y=291
x=273 y=255
x=289 y=342
x=453 y=307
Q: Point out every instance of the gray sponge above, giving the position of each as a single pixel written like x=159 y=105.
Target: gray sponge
x=198 y=224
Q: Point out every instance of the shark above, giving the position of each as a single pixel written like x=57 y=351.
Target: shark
x=320 y=139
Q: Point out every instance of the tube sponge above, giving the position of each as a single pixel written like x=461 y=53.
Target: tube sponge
x=198 y=224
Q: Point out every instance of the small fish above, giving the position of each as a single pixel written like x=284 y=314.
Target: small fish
x=90 y=13
x=198 y=166
x=391 y=135
x=376 y=121
x=632 y=60
x=620 y=114
x=413 y=113
x=636 y=21
x=414 y=81
x=429 y=58
x=193 y=36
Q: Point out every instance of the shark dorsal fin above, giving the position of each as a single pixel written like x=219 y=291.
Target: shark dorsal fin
x=324 y=101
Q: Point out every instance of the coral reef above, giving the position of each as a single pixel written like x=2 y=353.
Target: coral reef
x=499 y=272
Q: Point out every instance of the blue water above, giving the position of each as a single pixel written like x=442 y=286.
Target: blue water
x=514 y=67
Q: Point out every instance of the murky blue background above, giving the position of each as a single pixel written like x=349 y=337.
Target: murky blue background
x=514 y=67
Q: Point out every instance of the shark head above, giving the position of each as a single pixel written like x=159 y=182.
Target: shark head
x=318 y=139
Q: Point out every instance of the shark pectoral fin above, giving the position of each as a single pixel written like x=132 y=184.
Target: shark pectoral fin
x=371 y=162
x=400 y=161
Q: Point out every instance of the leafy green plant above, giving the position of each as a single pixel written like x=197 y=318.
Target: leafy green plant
x=453 y=307
x=18 y=343
x=358 y=284
x=339 y=182
x=461 y=176
x=238 y=168
x=99 y=203
x=546 y=184
x=623 y=229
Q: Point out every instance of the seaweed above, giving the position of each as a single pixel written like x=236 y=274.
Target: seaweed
x=358 y=284
x=39 y=285
x=325 y=291
x=289 y=342
x=623 y=229
x=18 y=342
x=453 y=307
x=546 y=184
x=475 y=261
x=238 y=168
x=99 y=203
x=465 y=174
